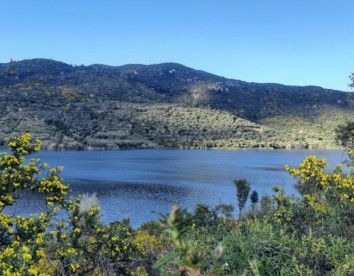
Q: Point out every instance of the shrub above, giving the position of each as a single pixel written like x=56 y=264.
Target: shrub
x=42 y=244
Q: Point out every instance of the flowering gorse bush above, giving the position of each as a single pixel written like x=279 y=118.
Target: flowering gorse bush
x=44 y=245
x=321 y=189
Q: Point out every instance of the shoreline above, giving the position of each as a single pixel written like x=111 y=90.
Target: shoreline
x=3 y=148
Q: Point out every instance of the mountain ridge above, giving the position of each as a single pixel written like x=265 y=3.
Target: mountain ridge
x=139 y=65
x=79 y=105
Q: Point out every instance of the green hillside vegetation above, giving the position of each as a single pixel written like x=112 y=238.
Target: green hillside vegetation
x=311 y=234
x=163 y=105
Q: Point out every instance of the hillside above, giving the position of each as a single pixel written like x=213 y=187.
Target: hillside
x=163 y=105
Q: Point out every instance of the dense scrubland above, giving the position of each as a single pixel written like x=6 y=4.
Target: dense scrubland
x=311 y=234
x=162 y=106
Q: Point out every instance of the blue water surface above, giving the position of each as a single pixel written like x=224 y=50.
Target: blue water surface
x=136 y=182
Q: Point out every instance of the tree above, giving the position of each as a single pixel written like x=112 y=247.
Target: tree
x=345 y=135
x=345 y=132
x=351 y=77
x=254 y=197
x=243 y=188
x=11 y=68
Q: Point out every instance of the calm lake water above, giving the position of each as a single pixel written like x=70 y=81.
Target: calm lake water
x=136 y=182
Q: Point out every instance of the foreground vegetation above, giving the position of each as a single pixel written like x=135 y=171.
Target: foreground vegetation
x=280 y=235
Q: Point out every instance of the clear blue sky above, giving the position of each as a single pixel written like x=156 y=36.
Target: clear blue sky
x=299 y=42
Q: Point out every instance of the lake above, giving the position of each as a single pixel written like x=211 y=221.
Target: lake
x=136 y=182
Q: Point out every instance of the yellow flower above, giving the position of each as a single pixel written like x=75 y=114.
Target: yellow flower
x=33 y=271
x=40 y=238
x=27 y=256
x=74 y=267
